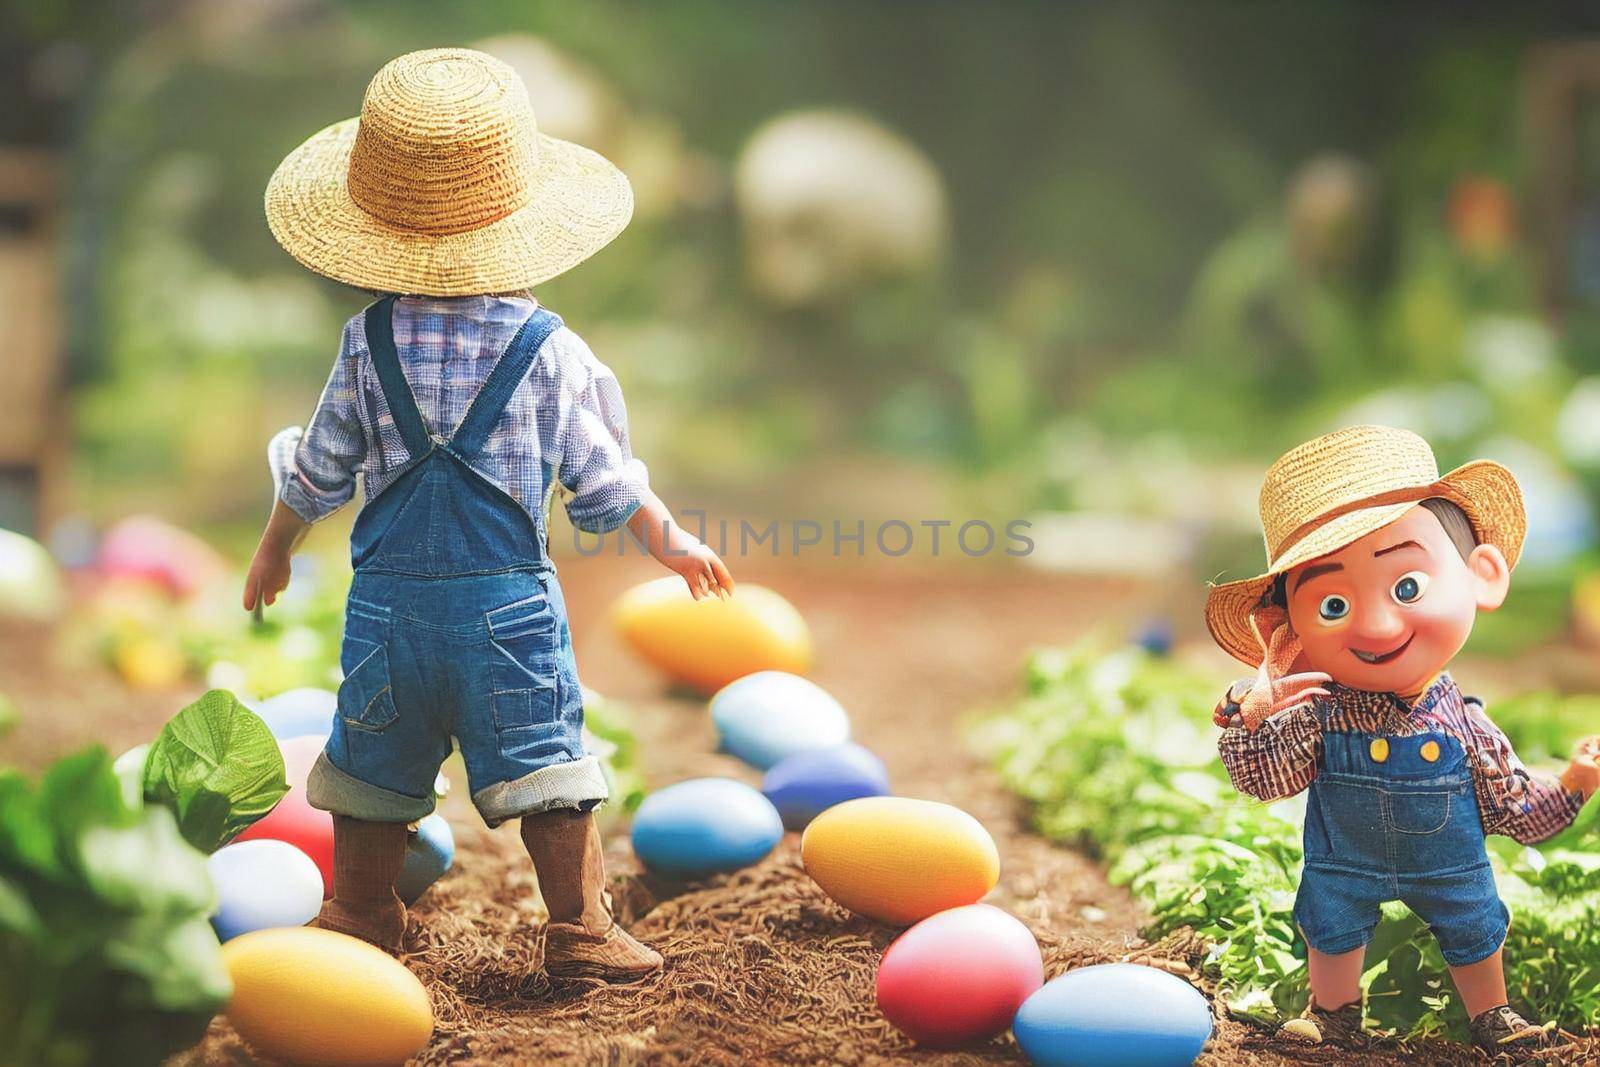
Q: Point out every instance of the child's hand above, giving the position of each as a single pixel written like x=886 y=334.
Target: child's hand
x=702 y=570
x=1583 y=773
x=269 y=576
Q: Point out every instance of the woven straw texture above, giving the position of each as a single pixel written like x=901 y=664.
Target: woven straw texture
x=1327 y=493
x=444 y=186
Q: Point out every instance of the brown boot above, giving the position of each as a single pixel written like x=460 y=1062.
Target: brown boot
x=367 y=857
x=581 y=939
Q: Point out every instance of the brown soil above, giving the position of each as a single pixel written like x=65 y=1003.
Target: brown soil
x=761 y=966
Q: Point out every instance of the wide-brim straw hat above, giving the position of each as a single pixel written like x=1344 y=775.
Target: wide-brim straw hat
x=444 y=186
x=1330 y=492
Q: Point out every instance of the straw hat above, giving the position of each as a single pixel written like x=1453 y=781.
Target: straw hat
x=1330 y=492
x=444 y=186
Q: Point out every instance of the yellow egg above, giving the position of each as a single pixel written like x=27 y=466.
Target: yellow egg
x=899 y=860
x=149 y=663
x=309 y=996
x=705 y=644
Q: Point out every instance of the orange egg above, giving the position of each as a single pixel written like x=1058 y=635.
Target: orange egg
x=899 y=860
x=308 y=996
x=705 y=644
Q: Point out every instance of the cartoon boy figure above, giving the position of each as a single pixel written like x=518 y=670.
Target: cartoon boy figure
x=1377 y=569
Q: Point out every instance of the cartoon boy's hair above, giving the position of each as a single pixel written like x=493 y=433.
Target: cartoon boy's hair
x=1451 y=517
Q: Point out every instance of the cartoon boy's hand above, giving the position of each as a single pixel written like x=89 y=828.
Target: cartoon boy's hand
x=1583 y=773
x=1273 y=696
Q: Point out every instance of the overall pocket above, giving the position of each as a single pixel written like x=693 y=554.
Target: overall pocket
x=525 y=664
x=366 y=697
x=1419 y=812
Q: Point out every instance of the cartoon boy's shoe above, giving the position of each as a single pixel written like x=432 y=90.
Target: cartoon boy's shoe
x=1506 y=1037
x=1339 y=1028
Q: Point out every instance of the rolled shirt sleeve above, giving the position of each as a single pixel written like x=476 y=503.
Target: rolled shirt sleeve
x=1513 y=801
x=321 y=475
x=595 y=460
x=1277 y=760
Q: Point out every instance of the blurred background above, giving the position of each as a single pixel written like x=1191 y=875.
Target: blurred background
x=1092 y=265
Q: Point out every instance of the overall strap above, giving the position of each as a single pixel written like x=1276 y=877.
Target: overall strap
x=402 y=404
x=496 y=393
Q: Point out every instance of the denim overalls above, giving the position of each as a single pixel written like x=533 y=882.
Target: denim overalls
x=455 y=626
x=1396 y=818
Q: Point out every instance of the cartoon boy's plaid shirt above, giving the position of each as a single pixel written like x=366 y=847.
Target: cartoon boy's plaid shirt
x=565 y=424
x=1280 y=758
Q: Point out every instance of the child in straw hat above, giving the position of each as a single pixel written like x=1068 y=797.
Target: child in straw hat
x=463 y=408
x=1377 y=567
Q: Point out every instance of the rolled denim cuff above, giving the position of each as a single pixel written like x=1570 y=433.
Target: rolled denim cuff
x=578 y=783
x=330 y=789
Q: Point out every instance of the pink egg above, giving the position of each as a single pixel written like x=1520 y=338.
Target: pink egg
x=959 y=976
x=294 y=820
x=148 y=549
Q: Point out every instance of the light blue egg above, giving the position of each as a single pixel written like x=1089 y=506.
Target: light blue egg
x=298 y=712
x=768 y=716
x=262 y=885
x=429 y=853
x=703 y=826
x=805 y=784
x=1113 y=1015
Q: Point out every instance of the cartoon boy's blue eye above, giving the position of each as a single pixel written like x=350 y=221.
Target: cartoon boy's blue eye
x=1333 y=607
x=1410 y=587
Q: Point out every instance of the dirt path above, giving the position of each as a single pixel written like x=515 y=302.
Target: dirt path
x=761 y=966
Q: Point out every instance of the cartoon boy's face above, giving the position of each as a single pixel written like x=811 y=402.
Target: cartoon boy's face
x=1388 y=612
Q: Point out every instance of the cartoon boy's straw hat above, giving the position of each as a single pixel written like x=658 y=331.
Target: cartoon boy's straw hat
x=1327 y=493
x=444 y=186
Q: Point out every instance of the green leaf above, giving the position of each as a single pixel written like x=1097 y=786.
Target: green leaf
x=217 y=767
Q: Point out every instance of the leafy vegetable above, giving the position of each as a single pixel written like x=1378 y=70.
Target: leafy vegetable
x=1117 y=755
x=106 y=954
x=218 y=767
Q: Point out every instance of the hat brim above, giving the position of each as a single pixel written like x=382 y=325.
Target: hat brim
x=1485 y=490
x=580 y=202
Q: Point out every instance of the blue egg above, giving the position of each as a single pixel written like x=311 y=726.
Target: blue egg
x=298 y=712
x=1155 y=637
x=1113 y=1015
x=807 y=783
x=429 y=853
x=263 y=884
x=703 y=826
x=768 y=716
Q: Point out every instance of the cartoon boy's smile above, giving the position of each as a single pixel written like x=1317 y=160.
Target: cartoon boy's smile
x=1381 y=657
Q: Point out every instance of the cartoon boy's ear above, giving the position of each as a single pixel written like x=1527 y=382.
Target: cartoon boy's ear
x=1491 y=576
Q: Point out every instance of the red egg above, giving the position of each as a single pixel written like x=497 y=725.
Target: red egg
x=294 y=820
x=959 y=975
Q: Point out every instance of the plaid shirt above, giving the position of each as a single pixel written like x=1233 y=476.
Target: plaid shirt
x=565 y=424
x=1280 y=759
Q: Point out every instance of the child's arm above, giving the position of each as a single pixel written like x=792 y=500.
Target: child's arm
x=314 y=473
x=1277 y=759
x=678 y=550
x=1514 y=802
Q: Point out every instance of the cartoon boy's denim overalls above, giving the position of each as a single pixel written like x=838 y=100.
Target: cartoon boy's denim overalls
x=455 y=626
x=1396 y=818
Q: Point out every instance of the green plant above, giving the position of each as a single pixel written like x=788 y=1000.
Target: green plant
x=106 y=954
x=217 y=767
x=1116 y=753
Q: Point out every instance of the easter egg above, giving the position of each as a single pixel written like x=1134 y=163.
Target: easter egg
x=1121 y=1014
x=310 y=996
x=30 y=583
x=958 y=976
x=805 y=784
x=705 y=644
x=298 y=712
x=293 y=819
x=704 y=825
x=899 y=860
x=147 y=549
x=262 y=885
x=764 y=717
x=429 y=853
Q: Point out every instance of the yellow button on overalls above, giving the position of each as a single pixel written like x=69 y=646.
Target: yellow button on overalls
x=1379 y=749
x=1430 y=751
